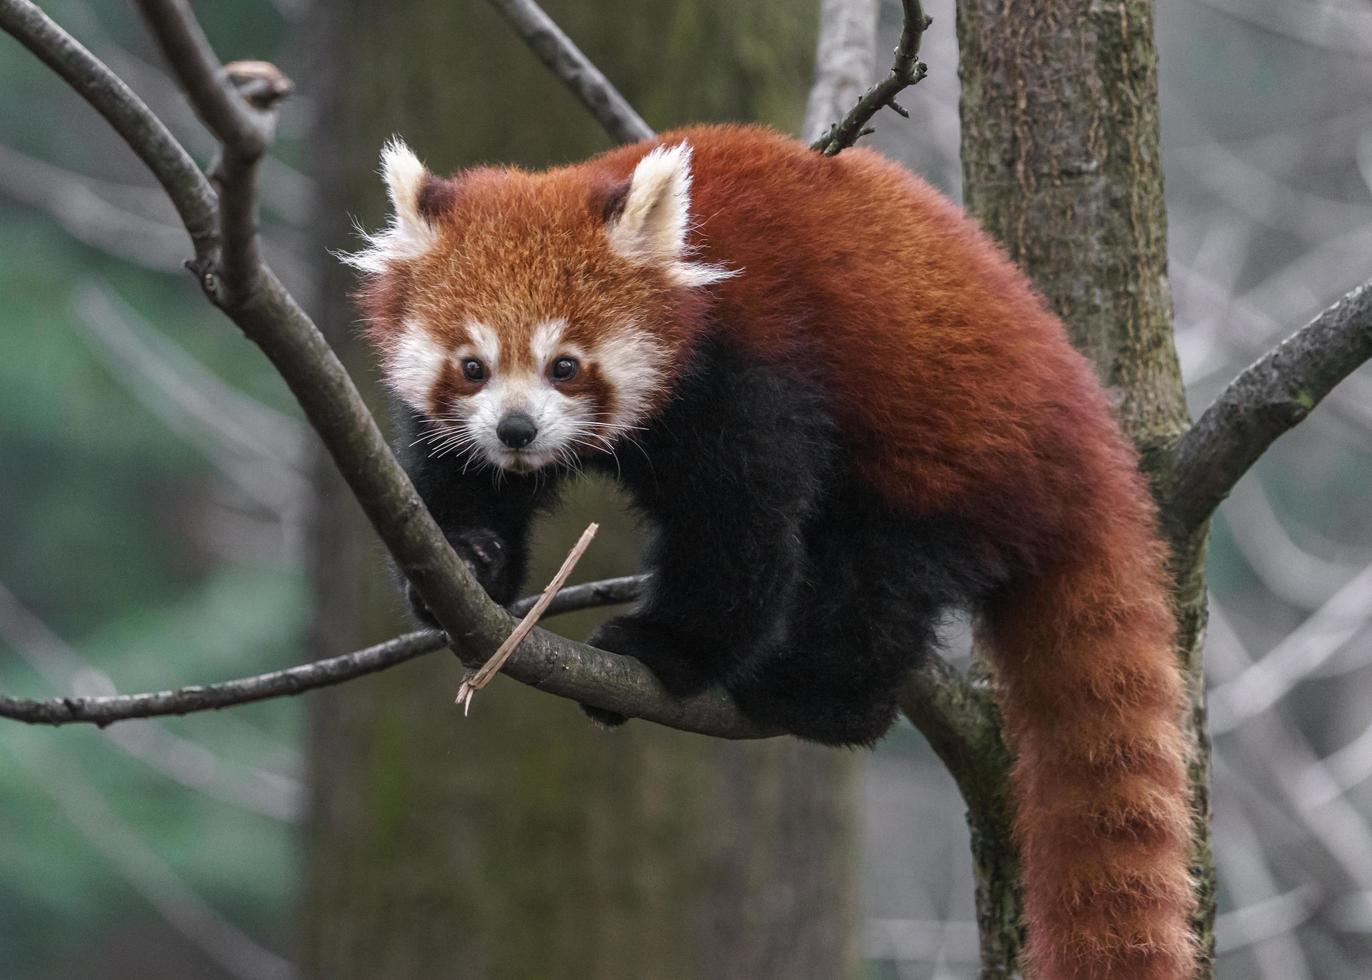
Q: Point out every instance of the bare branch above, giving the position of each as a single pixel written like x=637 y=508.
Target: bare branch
x=590 y=595
x=960 y=720
x=102 y=711
x=845 y=58
x=1273 y=395
x=145 y=134
x=272 y=319
x=183 y=760
x=906 y=70
x=556 y=50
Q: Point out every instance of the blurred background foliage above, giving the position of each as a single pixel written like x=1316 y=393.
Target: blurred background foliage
x=165 y=521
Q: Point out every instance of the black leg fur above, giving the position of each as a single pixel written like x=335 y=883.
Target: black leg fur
x=728 y=475
x=774 y=570
x=878 y=585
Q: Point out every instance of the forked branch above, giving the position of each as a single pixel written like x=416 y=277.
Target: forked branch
x=107 y=94
x=1273 y=395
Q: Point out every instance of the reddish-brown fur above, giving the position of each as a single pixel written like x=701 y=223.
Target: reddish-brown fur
x=961 y=396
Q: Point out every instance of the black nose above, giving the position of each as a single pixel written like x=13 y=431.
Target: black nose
x=516 y=430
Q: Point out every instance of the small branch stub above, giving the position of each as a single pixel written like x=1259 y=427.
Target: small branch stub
x=261 y=83
x=478 y=679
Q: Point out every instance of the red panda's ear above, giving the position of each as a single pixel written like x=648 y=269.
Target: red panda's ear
x=648 y=219
x=410 y=232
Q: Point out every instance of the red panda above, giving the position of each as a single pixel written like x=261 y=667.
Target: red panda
x=844 y=412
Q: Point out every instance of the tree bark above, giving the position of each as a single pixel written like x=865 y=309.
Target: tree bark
x=1061 y=162
x=522 y=841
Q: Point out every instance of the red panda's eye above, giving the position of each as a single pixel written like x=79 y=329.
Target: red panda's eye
x=564 y=369
x=473 y=370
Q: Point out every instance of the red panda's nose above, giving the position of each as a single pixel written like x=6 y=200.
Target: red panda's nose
x=516 y=430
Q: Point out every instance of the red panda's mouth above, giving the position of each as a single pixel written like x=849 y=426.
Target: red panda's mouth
x=523 y=460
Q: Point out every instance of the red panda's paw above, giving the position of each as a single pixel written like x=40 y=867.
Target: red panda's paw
x=418 y=608
x=663 y=650
x=488 y=558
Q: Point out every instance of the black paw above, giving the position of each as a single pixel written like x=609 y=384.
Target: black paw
x=606 y=719
x=489 y=559
x=664 y=651
x=417 y=607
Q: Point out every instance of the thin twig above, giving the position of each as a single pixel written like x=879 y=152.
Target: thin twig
x=906 y=70
x=101 y=711
x=1270 y=397
x=556 y=50
x=589 y=595
x=478 y=679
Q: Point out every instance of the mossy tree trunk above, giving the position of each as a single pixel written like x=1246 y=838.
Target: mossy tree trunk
x=523 y=842
x=1061 y=162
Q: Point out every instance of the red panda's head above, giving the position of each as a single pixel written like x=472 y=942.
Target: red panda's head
x=530 y=316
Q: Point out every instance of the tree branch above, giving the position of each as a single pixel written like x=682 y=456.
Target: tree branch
x=845 y=58
x=962 y=724
x=102 y=711
x=1273 y=395
x=906 y=70
x=556 y=50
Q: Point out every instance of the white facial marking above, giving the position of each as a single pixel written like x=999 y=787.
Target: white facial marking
x=485 y=345
x=414 y=364
x=652 y=228
x=544 y=343
x=409 y=234
x=633 y=362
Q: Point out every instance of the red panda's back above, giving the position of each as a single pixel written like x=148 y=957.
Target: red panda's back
x=957 y=388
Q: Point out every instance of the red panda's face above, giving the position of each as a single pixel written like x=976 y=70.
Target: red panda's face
x=532 y=317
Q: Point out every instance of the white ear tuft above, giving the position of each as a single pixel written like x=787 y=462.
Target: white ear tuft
x=651 y=229
x=409 y=234
x=404 y=179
